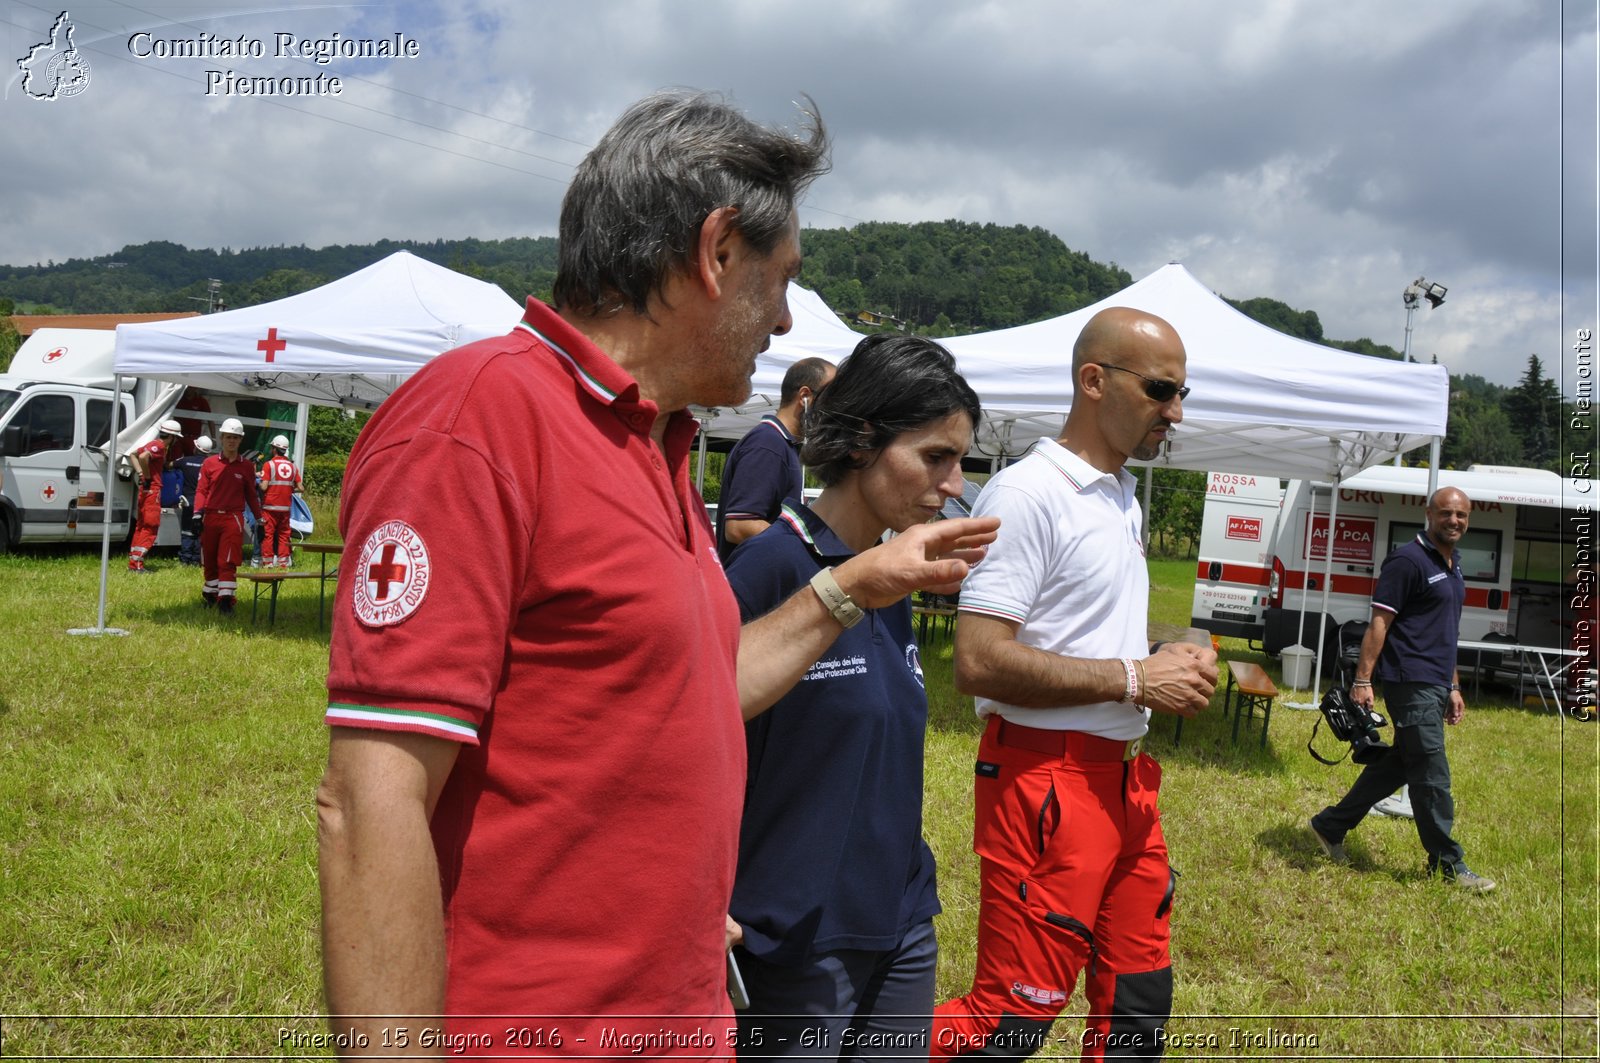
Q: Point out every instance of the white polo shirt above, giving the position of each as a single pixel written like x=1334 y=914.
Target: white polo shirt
x=1068 y=566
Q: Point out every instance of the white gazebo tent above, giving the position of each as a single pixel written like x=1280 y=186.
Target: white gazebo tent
x=1263 y=402
x=348 y=343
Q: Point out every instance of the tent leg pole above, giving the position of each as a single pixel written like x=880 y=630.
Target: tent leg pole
x=700 y=469
x=1327 y=578
x=105 y=515
x=1149 y=476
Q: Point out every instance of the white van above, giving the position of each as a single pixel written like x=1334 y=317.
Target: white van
x=1527 y=557
x=55 y=419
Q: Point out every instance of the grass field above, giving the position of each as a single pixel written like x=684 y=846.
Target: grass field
x=159 y=851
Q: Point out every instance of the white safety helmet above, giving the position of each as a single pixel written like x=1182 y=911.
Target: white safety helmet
x=232 y=427
x=280 y=442
x=203 y=444
x=169 y=427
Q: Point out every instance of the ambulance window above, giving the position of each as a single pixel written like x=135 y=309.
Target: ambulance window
x=99 y=422
x=46 y=422
x=1478 y=552
x=1543 y=561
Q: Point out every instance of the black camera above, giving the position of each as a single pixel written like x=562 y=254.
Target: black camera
x=1351 y=723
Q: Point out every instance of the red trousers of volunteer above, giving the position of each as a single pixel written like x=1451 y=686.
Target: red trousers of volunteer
x=221 y=550
x=1074 y=877
x=275 y=536
x=147 y=522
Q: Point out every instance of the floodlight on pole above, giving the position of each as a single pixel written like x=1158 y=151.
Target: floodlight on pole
x=1416 y=292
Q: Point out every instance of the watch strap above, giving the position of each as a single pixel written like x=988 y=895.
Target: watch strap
x=840 y=607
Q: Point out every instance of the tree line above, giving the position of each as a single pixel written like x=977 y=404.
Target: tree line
x=935 y=278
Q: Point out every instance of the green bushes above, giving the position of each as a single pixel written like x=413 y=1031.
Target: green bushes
x=324 y=474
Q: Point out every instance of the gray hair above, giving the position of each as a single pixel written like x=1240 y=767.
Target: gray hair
x=633 y=212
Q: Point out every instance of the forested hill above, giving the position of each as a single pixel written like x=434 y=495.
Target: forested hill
x=165 y=277
x=938 y=278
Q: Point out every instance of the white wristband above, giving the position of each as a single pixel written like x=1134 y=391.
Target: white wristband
x=1133 y=680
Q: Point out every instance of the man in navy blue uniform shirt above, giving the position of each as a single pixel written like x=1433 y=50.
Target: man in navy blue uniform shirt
x=763 y=471
x=1416 y=619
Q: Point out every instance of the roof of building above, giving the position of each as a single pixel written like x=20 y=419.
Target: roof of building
x=26 y=323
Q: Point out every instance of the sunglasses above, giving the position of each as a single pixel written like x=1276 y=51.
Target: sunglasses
x=1158 y=390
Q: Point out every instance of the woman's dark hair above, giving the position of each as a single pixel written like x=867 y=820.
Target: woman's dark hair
x=889 y=384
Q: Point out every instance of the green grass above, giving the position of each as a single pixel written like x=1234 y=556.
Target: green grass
x=1373 y=960
x=159 y=849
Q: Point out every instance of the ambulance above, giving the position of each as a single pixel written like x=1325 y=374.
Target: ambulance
x=1527 y=557
x=55 y=419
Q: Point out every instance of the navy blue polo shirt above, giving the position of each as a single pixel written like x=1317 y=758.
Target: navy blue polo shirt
x=762 y=475
x=1426 y=596
x=831 y=854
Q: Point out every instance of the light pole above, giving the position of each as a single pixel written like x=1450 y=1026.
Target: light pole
x=1416 y=292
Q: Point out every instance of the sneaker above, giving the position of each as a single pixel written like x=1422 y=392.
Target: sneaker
x=1332 y=850
x=1397 y=805
x=1466 y=879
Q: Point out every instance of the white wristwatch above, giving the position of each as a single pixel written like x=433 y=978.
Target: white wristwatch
x=847 y=612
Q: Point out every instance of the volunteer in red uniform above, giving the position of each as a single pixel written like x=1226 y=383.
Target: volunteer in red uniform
x=148 y=462
x=279 y=481
x=227 y=488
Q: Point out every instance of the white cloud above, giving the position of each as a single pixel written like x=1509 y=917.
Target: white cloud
x=1323 y=154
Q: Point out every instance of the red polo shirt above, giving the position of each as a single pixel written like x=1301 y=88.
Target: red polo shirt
x=527 y=574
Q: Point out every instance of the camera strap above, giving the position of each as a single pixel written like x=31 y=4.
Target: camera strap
x=1315 y=728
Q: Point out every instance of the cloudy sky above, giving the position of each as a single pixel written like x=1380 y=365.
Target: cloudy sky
x=1322 y=152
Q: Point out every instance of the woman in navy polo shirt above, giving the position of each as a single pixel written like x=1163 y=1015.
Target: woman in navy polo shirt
x=835 y=888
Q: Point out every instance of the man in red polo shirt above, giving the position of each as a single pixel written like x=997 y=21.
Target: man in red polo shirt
x=529 y=819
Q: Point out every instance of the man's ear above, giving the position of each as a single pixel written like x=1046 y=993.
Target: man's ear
x=1091 y=380
x=718 y=250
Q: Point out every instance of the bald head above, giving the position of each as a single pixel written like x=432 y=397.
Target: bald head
x=1119 y=332
x=1449 y=511
x=1128 y=373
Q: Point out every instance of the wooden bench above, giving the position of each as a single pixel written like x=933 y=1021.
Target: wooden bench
x=272 y=582
x=924 y=613
x=1255 y=688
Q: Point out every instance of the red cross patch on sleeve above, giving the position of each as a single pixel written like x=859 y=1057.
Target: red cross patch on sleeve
x=392 y=575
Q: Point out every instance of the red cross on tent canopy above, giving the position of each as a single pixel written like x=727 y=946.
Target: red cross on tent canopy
x=272 y=344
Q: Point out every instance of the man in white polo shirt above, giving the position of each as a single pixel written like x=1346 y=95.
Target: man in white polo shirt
x=1052 y=641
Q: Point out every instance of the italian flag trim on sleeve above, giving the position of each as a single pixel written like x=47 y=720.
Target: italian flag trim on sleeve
x=401 y=720
x=969 y=604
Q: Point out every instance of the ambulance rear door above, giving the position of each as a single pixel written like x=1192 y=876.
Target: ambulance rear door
x=1236 y=534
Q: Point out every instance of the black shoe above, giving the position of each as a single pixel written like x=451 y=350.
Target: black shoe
x=1463 y=877
x=225 y=606
x=1333 y=850
x=208 y=600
